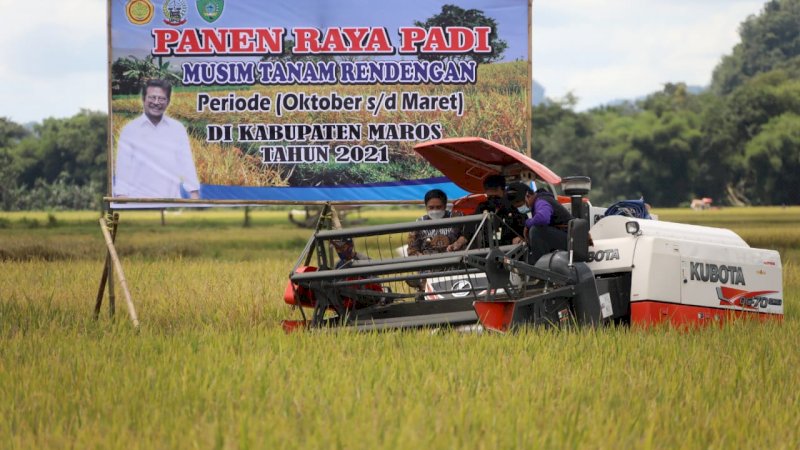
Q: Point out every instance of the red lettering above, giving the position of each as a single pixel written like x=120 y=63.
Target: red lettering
x=410 y=38
x=305 y=40
x=334 y=42
x=269 y=40
x=221 y=41
x=378 y=42
x=241 y=41
x=164 y=39
x=482 y=38
x=215 y=42
x=445 y=40
x=435 y=42
x=356 y=35
x=342 y=40
x=189 y=44
x=461 y=39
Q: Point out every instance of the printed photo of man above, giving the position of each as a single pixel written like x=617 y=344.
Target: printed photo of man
x=154 y=159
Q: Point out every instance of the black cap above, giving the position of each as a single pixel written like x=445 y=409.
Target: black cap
x=494 y=181
x=516 y=191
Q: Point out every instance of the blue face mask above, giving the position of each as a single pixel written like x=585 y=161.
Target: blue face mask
x=524 y=209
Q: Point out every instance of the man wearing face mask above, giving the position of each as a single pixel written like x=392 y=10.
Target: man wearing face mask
x=515 y=193
x=438 y=240
x=512 y=222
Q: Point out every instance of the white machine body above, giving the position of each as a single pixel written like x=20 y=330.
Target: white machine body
x=672 y=264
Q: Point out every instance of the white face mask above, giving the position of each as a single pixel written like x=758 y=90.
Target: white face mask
x=524 y=209
x=436 y=213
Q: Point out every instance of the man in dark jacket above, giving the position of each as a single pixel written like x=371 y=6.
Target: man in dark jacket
x=511 y=222
x=546 y=230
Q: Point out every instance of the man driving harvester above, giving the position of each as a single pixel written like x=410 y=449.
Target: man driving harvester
x=546 y=229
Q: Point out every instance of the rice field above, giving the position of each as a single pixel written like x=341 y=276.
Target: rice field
x=211 y=367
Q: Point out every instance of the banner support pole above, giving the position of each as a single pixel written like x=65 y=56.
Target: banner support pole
x=114 y=266
x=107 y=269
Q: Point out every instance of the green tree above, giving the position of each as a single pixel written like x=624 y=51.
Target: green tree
x=11 y=132
x=649 y=156
x=128 y=75
x=773 y=161
x=730 y=122
x=73 y=149
x=769 y=41
x=452 y=15
x=10 y=135
x=563 y=140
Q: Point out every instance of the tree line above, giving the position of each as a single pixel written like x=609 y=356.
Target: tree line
x=56 y=164
x=738 y=142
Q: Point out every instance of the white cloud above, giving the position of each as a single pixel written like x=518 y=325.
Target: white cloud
x=26 y=99
x=603 y=50
x=53 y=58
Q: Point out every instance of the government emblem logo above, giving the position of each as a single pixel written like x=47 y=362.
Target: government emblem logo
x=210 y=10
x=175 y=12
x=139 y=12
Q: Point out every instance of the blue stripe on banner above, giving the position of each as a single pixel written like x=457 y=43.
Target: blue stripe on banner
x=396 y=190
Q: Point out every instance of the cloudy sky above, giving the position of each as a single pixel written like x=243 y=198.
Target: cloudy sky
x=603 y=50
x=53 y=53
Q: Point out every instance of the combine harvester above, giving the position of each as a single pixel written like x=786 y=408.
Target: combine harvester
x=636 y=271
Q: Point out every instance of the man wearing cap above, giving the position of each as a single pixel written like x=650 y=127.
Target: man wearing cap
x=515 y=193
x=512 y=225
x=546 y=230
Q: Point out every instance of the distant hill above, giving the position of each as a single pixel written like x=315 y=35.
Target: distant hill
x=694 y=90
x=538 y=93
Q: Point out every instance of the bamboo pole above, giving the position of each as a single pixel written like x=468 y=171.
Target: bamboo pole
x=112 y=295
x=100 y=292
x=120 y=274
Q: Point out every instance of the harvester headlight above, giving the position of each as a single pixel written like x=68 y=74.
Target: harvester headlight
x=632 y=228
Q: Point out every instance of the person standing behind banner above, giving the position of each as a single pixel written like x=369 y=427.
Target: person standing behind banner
x=154 y=158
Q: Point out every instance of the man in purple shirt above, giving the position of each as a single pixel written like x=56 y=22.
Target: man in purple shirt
x=546 y=229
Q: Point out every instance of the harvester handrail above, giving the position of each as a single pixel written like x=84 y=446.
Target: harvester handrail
x=409 y=276
x=434 y=256
x=380 y=269
x=375 y=230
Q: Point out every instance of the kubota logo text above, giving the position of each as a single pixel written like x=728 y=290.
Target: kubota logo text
x=604 y=255
x=717 y=274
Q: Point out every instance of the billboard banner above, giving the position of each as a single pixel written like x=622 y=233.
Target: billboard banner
x=308 y=100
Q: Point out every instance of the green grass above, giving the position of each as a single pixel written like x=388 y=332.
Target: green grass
x=211 y=368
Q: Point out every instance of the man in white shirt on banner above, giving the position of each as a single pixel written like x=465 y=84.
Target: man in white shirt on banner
x=154 y=159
